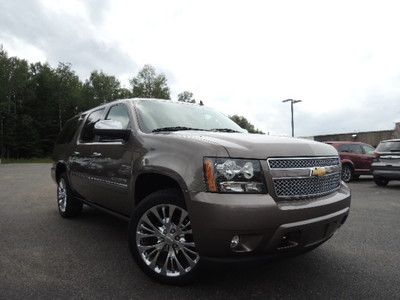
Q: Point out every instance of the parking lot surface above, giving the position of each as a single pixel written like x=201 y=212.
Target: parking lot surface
x=45 y=256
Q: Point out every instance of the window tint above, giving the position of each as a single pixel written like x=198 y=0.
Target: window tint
x=368 y=149
x=119 y=113
x=87 y=134
x=392 y=146
x=68 y=131
x=344 y=148
x=355 y=148
x=350 y=148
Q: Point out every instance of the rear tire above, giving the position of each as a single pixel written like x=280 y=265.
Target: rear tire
x=380 y=181
x=68 y=205
x=161 y=239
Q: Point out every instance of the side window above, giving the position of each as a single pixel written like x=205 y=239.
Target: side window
x=355 y=148
x=87 y=134
x=368 y=149
x=119 y=113
x=344 y=148
x=67 y=133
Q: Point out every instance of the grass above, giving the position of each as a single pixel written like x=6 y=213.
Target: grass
x=43 y=160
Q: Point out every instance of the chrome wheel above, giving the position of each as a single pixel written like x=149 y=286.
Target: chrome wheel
x=62 y=195
x=346 y=173
x=164 y=240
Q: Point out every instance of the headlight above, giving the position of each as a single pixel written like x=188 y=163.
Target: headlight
x=228 y=175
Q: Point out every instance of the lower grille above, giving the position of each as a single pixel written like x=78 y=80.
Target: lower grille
x=306 y=187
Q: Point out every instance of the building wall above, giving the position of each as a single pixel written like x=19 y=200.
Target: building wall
x=372 y=137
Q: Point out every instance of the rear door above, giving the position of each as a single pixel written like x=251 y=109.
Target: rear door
x=367 y=157
x=112 y=161
x=80 y=160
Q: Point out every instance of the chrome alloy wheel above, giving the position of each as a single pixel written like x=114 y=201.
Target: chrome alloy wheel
x=62 y=195
x=346 y=173
x=164 y=240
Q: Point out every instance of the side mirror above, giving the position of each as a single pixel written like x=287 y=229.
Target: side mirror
x=111 y=130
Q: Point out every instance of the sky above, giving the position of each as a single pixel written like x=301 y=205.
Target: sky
x=341 y=58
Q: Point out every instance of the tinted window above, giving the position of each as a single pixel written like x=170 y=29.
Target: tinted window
x=67 y=133
x=87 y=134
x=354 y=148
x=368 y=149
x=350 y=148
x=119 y=113
x=393 y=146
x=344 y=148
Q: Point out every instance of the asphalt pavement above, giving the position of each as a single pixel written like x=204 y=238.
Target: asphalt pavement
x=45 y=256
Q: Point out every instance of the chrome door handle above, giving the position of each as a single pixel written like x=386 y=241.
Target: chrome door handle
x=96 y=154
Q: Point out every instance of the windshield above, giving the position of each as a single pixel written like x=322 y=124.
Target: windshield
x=155 y=115
x=393 y=146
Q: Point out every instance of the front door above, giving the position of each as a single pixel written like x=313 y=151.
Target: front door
x=80 y=161
x=112 y=161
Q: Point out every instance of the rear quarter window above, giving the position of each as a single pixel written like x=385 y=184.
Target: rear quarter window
x=68 y=132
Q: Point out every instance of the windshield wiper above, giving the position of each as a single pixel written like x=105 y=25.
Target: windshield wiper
x=176 y=128
x=224 y=130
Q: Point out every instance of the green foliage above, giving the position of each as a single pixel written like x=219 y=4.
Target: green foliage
x=36 y=100
x=186 y=97
x=148 y=84
x=244 y=123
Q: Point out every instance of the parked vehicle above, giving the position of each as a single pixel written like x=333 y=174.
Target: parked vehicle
x=356 y=158
x=386 y=165
x=194 y=185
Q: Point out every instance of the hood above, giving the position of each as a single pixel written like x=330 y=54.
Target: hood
x=259 y=146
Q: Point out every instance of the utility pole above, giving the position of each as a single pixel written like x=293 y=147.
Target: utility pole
x=291 y=110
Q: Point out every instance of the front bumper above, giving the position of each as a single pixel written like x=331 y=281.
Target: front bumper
x=263 y=225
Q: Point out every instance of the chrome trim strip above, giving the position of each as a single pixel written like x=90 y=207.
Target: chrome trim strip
x=304 y=177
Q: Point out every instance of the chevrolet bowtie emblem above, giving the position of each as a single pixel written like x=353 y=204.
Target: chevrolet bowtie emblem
x=318 y=172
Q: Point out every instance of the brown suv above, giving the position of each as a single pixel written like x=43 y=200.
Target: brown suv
x=194 y=185
x=356 y=159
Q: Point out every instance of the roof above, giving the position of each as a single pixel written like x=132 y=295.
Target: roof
x=344 y=142
x=392 y=140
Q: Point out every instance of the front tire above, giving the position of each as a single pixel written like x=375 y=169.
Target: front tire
x=68 y=205
x=381 y=181
x=161 y=238
x=347 y=173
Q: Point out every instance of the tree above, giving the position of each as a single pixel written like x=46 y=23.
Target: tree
x=186 y=97
x=102 y=87
x=148 y=84
x=244 y=123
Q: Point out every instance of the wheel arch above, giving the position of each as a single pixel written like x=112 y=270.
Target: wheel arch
x=150 y=180
x=348 y=162
x=60 y=168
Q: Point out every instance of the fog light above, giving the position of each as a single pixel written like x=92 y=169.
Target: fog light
x=235 y=241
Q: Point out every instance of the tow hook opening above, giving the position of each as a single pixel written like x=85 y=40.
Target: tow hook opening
x=289 y=240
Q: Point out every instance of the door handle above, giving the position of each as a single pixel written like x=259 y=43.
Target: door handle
x=96 y=154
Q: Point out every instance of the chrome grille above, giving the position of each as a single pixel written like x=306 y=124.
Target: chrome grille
x=306 y=187
x=285 y=163
x=295 y=178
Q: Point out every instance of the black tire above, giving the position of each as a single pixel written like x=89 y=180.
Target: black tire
x=347 y=173
x=151 y=260
x=380 y=181
x=69 y=206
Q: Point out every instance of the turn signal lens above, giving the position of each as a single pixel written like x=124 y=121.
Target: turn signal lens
x=209 y=171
